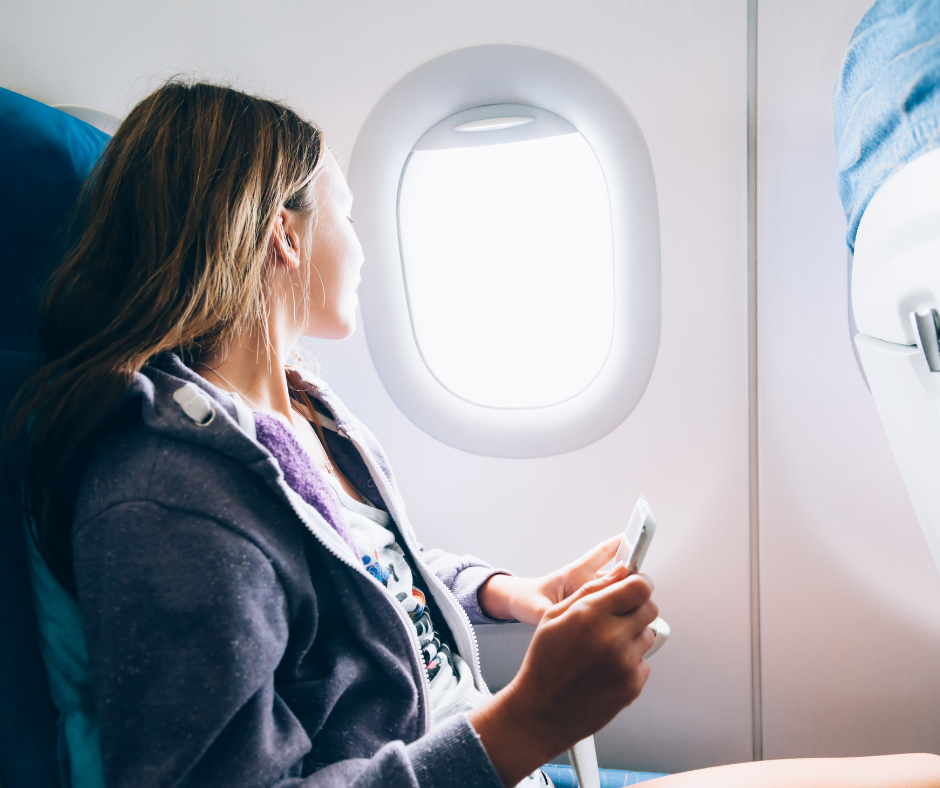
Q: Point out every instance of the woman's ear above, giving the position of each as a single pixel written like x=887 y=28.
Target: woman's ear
x=285 y=241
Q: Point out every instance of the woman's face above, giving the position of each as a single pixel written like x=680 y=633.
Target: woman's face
x=329 y=255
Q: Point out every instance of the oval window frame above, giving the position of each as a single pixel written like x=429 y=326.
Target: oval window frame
x=477 y=76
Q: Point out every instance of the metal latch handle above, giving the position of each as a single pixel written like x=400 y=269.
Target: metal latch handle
x=927 y=328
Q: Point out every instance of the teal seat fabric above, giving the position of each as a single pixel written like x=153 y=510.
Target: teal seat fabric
x=45 y=156
x=27 y=714
x=564 y=777
x=62 y=642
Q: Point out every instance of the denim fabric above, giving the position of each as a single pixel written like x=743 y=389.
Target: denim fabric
x=887 y=99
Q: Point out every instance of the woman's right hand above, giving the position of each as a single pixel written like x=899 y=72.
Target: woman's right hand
x=585 y=664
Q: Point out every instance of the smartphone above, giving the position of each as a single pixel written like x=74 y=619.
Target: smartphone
x=637 y=537
x=636 y=541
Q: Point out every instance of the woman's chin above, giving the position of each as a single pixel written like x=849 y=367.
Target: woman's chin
x=349 y=330
x=339 y=328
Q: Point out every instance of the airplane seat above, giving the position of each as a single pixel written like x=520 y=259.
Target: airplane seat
x=44 y=157
x=887 y=129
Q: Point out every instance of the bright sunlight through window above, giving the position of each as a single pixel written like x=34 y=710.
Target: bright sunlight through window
x=508 y=261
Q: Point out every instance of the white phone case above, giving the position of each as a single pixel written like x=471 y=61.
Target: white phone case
x=637 y=537
x=633 y=547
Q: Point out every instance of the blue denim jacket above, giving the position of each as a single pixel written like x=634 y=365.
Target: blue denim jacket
x=233 y=639
x=887 y=100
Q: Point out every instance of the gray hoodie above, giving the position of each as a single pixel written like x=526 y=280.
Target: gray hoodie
x=233 y=638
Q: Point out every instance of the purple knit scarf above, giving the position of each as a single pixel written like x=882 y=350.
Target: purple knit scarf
x=300 y=473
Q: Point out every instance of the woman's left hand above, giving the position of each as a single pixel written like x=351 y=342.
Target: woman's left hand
x=527 y=599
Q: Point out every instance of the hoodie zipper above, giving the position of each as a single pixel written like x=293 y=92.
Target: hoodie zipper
x=445 y=598
x=246 y=421
x=342 y=555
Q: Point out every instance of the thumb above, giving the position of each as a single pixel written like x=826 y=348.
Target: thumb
x=621 y=598
x=600 y=555
x=615 y=575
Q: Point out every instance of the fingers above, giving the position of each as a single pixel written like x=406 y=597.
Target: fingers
x=634 y=680
x=622 y=596
x=600 y=555
x=640 y=676
x=616 y=574
x=590 y=565
x=645 y=614
x=645 y=639
x=626 y=597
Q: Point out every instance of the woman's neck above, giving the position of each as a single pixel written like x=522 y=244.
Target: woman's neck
x=254 y=370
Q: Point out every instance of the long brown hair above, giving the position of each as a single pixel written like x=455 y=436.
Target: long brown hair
x=173 y=252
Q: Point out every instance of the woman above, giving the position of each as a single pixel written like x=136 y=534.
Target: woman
x=256 y=606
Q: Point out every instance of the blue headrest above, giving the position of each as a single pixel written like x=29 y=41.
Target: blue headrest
x=887 y=99
x=45 y=156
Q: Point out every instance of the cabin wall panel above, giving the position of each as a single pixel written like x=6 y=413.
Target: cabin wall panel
x=850 y=598
x=681 y=67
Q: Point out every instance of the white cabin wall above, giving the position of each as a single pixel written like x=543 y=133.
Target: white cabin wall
x=681 y=67
x=685 y=446
x=850 y=597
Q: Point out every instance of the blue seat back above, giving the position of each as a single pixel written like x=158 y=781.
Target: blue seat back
x=45 y=156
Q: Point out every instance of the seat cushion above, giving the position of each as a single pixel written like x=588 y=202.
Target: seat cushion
x=45 y=156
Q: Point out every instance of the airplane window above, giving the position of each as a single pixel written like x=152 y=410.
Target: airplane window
x=508 y=260
x=506 y=205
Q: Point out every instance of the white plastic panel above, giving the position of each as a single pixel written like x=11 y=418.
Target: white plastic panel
x=897 y=249
x=850 y=596
x=493 y=124
x=481 y=416
x=907 y=394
